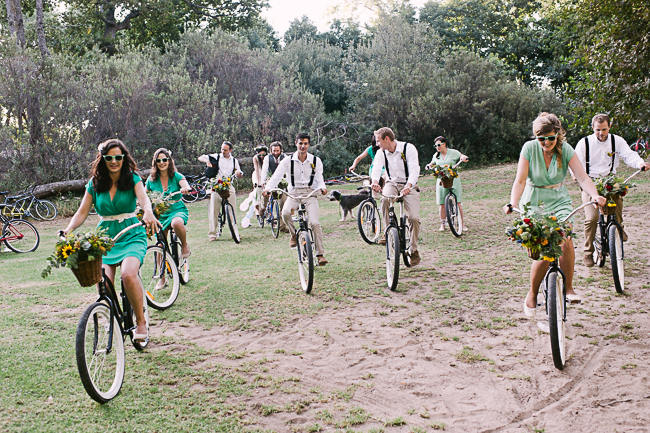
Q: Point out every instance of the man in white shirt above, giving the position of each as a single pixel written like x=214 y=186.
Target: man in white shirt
x=304 y=173
x=226 y=165
x=269 y=165
x=600 y=155
x=402 y=170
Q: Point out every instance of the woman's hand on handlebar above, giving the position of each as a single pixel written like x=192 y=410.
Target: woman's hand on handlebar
x=507 y=209
x=186 y=190
x=150 y=222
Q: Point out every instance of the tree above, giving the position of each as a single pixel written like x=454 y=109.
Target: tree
x=15 y=21
x=301 y=28
x=40 y=29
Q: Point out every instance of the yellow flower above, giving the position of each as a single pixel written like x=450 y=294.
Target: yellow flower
x=611 y=204
x=66 y=251
x=549 y=259
x=553 y=217
x=544 y=241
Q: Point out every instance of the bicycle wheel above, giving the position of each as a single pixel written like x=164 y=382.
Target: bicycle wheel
x=45 y=210
x=183 y=264
x=232 y=223
x=100 y=353
x=616 y=255
x=20 y=236
x=555 y=309
x=305 y=260
x=453 y=216
x=392 y=257
x=160 y=278
x=192 y=196
x=599 y=255
x=406 y=245
x=369 y=222
x=275 y=218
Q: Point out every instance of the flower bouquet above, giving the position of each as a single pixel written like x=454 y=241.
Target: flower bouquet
x=446 y=173
x=82 y=253
x=222 y=186
x=283 y=184
x=541 y=234
x=159 y=203
x=610 y=187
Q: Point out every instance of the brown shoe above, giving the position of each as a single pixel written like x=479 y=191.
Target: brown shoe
x=415 y=258
x=293 y=242
x=382 y=241
x=589 y=260
x=284 y=230
x=624 y=236
x=322 y=261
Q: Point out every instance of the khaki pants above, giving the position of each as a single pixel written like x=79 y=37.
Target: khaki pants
x=311 y=205
x=591 y=220
x=214 y=208
x=411 y=208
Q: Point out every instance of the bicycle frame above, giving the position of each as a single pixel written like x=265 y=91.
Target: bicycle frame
x=393 y=221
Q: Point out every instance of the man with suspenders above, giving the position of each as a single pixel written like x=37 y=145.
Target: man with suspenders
x=304 y=172
x=402 y=170
x=220 y=165
x=600 y=154
x=269 y=165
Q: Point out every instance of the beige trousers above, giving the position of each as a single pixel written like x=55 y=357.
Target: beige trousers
x=214 y=208
x=411 y=208
x=591 y=220
x=311 y=205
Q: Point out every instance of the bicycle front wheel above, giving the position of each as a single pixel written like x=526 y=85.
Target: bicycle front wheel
x=20 y=236
x=45 y=210
x=191 y=197
x=305 y=260
x=232 y=223
x=369 y=222
x=406 y=245
x=599 y=254
x=100 y=353
x=555 y=309
x=160 y=278
x=615 y=240
x=275 y=218
x=392 y=257
x=177 y=255
x=453 y=216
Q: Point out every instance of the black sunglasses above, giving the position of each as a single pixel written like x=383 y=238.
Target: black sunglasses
x=162 y=160
x=549 y=138
x=109 y=158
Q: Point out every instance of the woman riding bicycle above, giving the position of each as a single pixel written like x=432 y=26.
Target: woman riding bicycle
x=115 y=189
x=445 y=155
x=542 y=167
x=166 y=180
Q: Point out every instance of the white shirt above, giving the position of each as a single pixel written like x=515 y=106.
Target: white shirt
x=227 y=166
x=265 y=165
x=396 y=164
x=301 y=173
x=600 y=159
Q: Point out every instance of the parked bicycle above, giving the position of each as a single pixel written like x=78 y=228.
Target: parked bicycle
x=609 y=240
x=368 y=215
x=101 y=332
x=198 y=185
x=398 y=240
x=18 y=235
x=641 y=146
x=304 y=242
x=27 y=205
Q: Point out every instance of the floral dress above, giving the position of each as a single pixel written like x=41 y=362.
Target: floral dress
x=545 y=186
x=178 y=208
x=134 y=242
x=451 y=158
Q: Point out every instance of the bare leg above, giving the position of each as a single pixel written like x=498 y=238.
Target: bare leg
x=443 y=213
x=537 y=272
x=462 y=215
x=179 y=228
x=133 y=288
x=567 y=262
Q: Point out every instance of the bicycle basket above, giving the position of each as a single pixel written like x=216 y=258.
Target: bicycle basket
x=447 y=182
x=88 y=273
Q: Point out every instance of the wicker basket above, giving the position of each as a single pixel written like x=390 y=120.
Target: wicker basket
x=447 y=182
x=88 y=273
x=224 y=194
x=533 y=254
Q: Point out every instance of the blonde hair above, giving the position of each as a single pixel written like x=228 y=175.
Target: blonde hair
x=549 y=122
x=385 y=132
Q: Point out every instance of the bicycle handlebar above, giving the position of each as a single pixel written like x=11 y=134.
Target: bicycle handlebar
x=296 y=197
x=634 y=174
x=514 y=209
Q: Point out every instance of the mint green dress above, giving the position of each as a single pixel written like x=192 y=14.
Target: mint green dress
x=451 y=158
x=556 y=201
x=134 y=242
x=177 y=209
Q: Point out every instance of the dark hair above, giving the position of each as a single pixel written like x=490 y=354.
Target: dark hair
x=276 y=143
x=374 y=144
x=441 y=139
x=260 y=148
x=600 y=117
x=100 y=177
x=171 y=168
x=228 y=143
x=302 y=135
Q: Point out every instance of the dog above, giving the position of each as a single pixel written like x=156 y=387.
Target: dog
x=348 y=202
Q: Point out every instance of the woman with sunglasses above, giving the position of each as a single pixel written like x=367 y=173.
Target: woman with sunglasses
x=542 y=167
x=115 y=189
x=445 y=155
x=166 y=180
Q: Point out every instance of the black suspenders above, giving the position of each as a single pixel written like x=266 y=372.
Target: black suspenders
x=313 y=171
x=406 y=167
x=613 y=154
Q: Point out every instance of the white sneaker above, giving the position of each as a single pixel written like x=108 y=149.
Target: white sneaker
x=443 y=227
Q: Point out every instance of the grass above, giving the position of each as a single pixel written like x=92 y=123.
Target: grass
x=180 y=385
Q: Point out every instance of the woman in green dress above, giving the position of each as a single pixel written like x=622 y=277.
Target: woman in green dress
x=450 y=157
x=166 y=180
x=115 y=189
x=541 y=171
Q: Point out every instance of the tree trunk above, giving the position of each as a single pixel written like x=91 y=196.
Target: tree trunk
x=112 y=26
x=40 y=29
x=16 y=23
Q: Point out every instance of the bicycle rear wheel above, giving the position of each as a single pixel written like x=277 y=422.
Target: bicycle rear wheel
x=160 y=277
x=392 y=257
x=369 y=222
x=454 y=219
x=275 y=218
x=20 y=236
x=100 y=354
x=45 y=210
x=599 y=255
x=305 y=260
x=555 y=309
x=616 y=255
x=232 y=223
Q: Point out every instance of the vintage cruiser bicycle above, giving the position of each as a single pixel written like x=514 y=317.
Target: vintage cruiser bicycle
x=19 y=235
x=368 y=216
x=398 y=240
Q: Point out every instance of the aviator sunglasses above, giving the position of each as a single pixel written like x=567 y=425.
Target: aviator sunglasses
x=109 y=158
x=162 y=159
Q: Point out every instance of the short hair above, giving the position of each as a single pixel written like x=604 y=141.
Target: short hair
x=276 y=143
x=227 y=143
x=302 y=135
x=385 y=132
x=441 y=139
x=598 y=118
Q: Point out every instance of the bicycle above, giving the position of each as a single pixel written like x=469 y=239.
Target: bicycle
x=641 y=146
x=99 y=342
x=555 y=303
x=19 y=235
x=609 y=240
x=368 y=215
x=398 y=241
x=227 y=214
x=26 y=204
x=272 y=212
x=304 y=242
x=197 y=183
x=452 y=213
